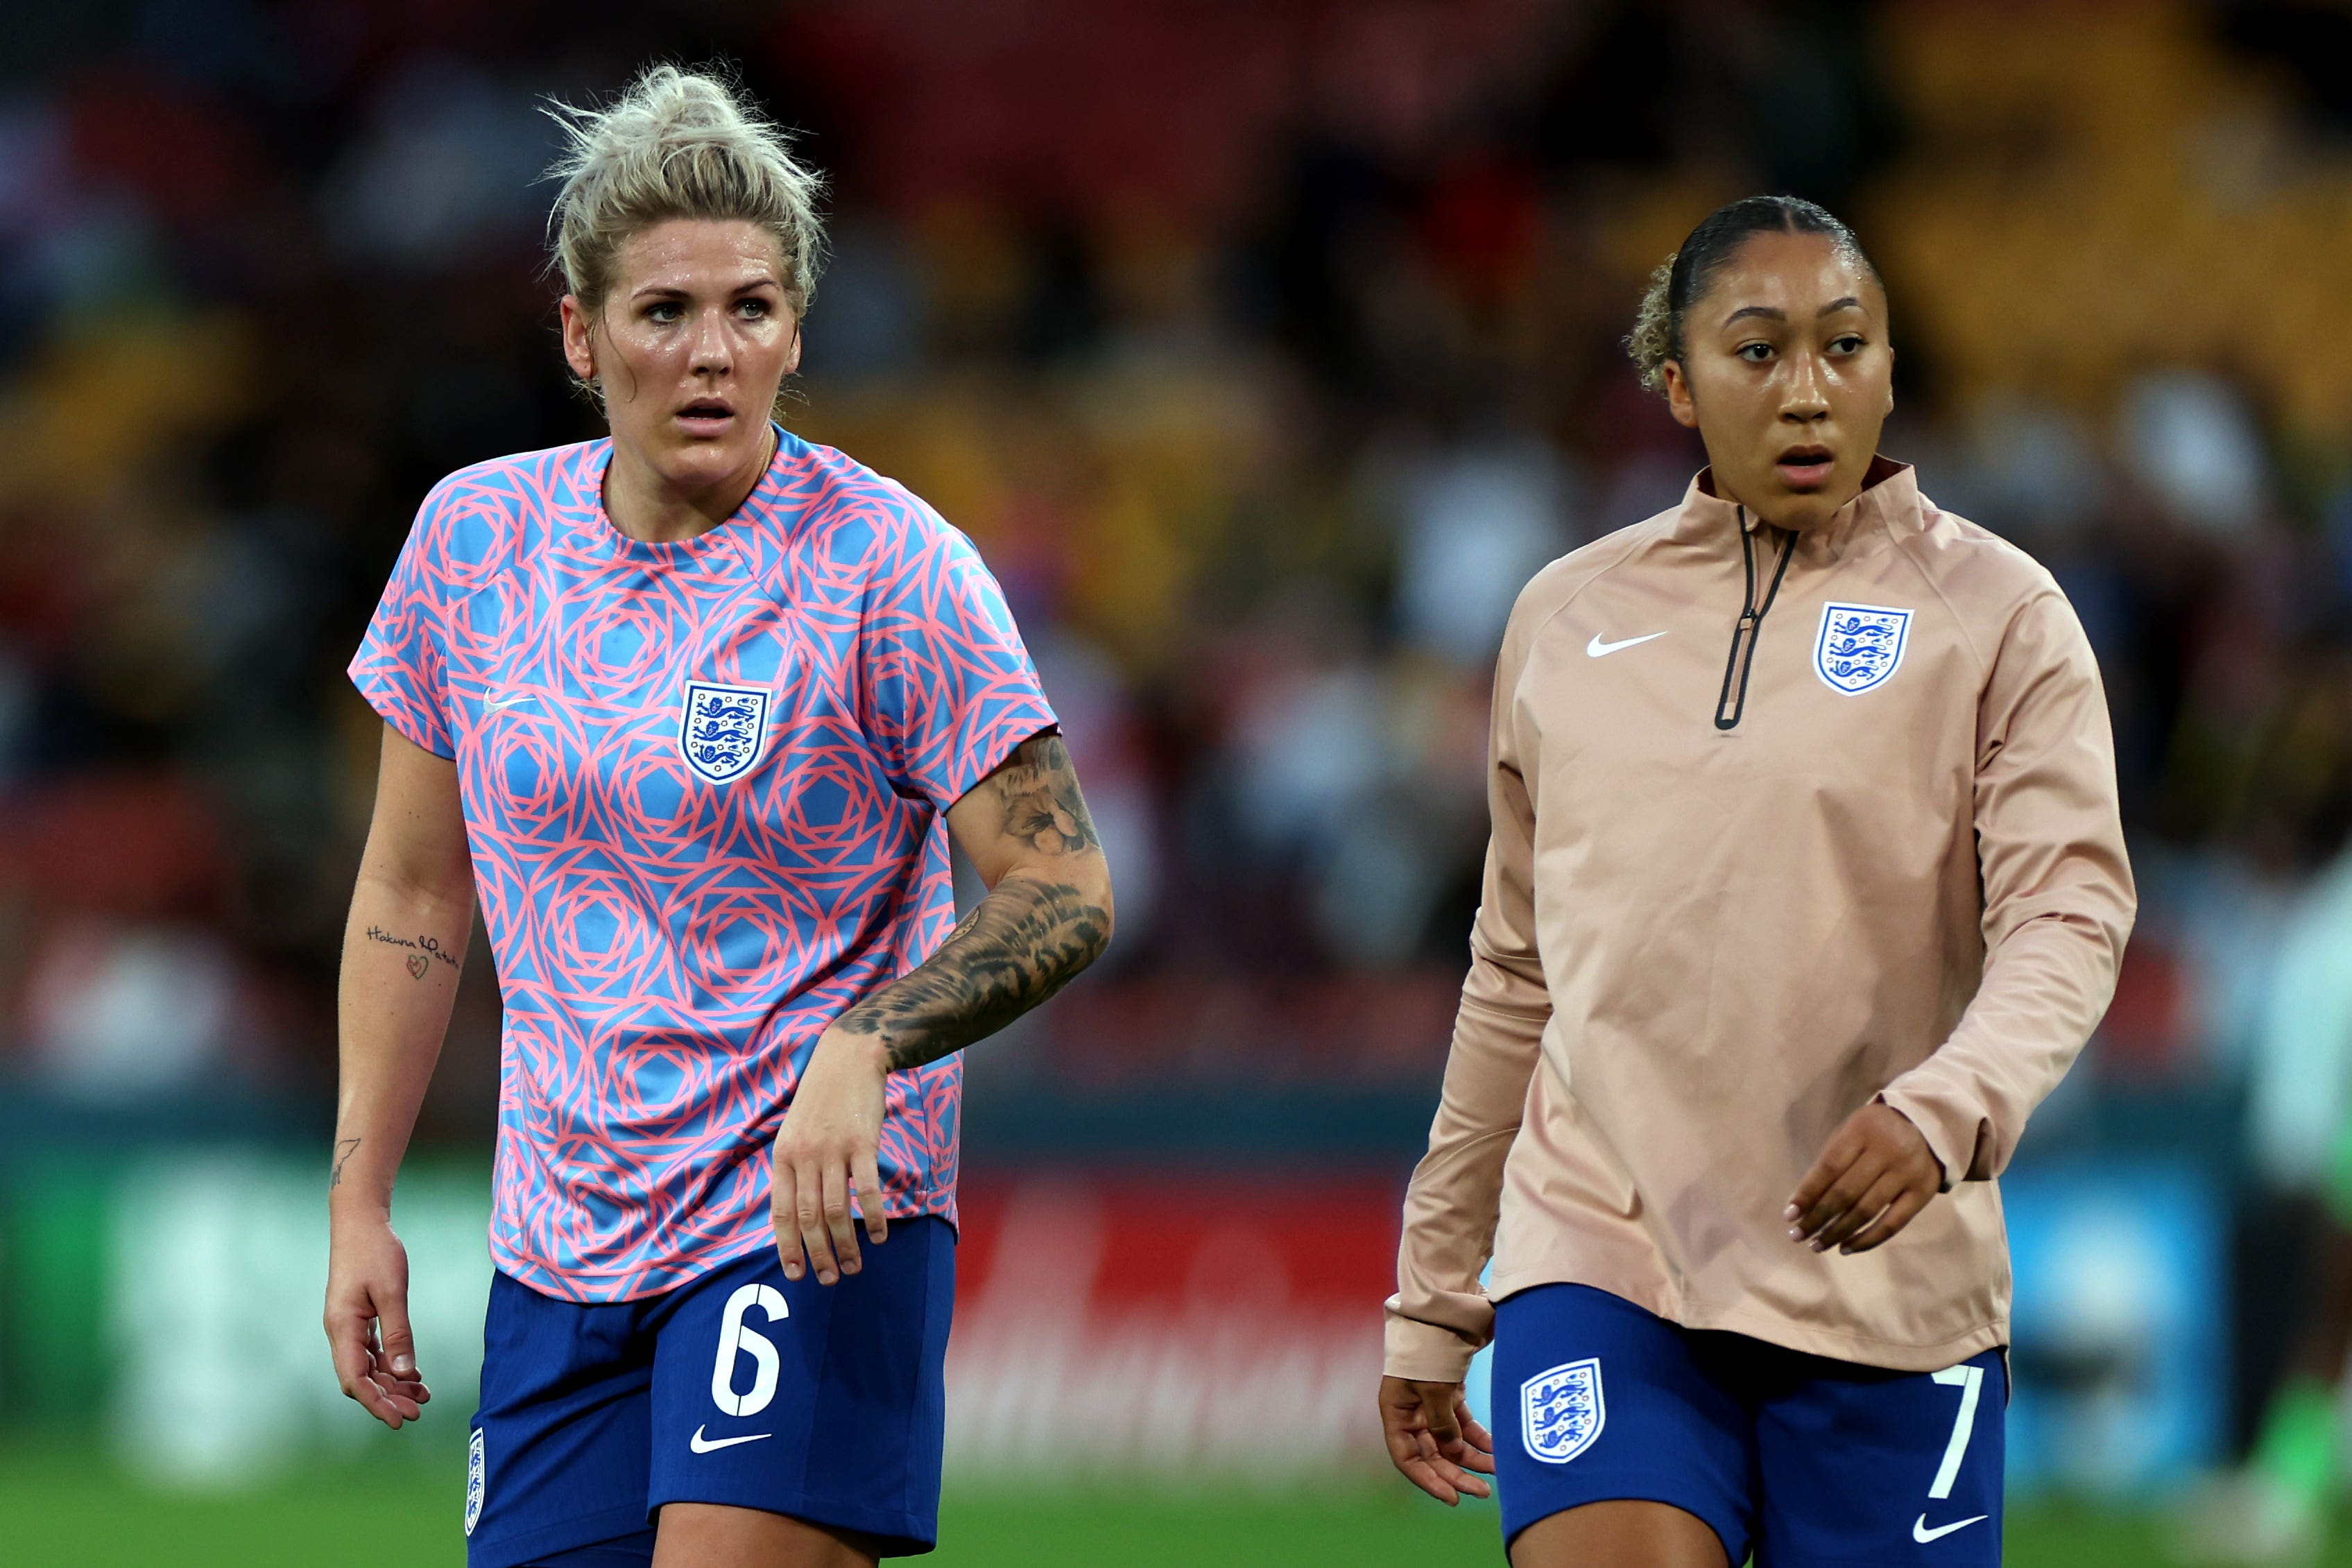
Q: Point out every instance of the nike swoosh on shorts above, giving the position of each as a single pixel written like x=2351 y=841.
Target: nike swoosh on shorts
x=1922 y=1534
x=702 y=1444
x=1597 y=649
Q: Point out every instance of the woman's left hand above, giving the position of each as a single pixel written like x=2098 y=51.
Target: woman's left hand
x=1875 y=1176
x=828 y=1145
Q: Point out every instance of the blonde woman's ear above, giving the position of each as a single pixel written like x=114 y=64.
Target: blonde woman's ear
x=578 y=351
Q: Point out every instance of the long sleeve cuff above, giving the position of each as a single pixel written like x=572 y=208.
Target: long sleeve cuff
x=1424 y=1353
x=1951 y=1131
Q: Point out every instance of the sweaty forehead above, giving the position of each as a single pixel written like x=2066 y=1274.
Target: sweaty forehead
x=695 y=254
x=1794 y=274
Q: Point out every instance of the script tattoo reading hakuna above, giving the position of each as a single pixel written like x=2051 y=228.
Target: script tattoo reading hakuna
x=422 y=949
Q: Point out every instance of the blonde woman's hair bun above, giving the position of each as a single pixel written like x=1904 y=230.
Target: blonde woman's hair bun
x=677 y=144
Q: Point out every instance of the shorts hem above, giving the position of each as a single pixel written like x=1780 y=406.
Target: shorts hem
x=898 y=1534
x=1631 y=1492
x=588 y=1529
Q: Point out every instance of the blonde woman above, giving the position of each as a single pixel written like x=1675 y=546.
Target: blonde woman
x=1806 y=885
x=692 y=710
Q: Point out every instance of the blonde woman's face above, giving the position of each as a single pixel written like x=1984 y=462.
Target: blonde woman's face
x=1788 y=376
x=693 y=342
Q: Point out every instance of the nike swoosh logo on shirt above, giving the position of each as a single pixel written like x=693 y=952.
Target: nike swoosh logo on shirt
x=1922 y=1534
x=702 y=1444
x=1597 y=649
x=504 y=702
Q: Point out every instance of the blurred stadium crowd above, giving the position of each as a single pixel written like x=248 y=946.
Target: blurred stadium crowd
x=1265 y=349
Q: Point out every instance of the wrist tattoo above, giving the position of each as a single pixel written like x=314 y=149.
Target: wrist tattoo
x=343 y=1152
x=422 y=951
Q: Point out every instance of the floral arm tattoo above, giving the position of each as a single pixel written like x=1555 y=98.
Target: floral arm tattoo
x=1027 y=939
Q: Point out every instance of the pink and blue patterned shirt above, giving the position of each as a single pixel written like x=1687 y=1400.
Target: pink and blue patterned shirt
x=704 y=784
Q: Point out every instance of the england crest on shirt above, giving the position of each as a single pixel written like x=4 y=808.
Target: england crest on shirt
x=1561 y=1412
x=722 y=730
x=1859 y=646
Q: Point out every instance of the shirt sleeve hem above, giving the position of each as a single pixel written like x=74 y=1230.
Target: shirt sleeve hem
x=402 y=719
x=987 y=760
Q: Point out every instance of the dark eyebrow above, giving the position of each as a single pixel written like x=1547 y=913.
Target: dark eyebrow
x=655 y=290
x=1769 y=313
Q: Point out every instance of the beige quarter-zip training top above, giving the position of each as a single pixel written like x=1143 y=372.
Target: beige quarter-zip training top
x=1746 y=873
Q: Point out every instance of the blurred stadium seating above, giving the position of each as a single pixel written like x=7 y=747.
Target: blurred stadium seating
x=1266 y=347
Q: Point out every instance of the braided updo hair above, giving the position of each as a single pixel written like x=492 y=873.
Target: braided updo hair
x=1687 y=275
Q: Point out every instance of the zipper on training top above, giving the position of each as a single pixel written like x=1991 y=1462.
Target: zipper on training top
x=1733 y=701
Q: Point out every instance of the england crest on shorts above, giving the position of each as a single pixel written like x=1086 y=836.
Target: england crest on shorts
x=474 y=1481
x=722 y=730
x=1561 y=1411
x=1859 y=646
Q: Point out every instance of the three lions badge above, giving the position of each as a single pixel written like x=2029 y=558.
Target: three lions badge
x=1859 y=646
x=722 y=731
x=1561 y=1412
x=474 y=1479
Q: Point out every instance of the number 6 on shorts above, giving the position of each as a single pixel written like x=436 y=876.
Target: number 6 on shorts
x=1970 y=1380
x=734 y=1337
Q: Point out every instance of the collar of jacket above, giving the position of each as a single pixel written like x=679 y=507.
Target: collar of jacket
x=1888 y=504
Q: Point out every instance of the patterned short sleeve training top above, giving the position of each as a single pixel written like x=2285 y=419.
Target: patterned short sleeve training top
x=703 y=781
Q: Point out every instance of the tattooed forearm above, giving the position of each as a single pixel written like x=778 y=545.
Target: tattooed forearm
x=1027 y=939
x=1016 y=947
x=344 y=1149
x=422 y=949
x=1037 y=796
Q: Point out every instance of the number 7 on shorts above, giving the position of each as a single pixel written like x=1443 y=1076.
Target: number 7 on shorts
x=1970 y=1380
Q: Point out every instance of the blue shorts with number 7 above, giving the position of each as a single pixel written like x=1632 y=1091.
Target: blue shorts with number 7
x=1798 y=1458
x=743 y=1387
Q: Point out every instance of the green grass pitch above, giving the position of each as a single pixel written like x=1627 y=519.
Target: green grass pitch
x=70 y=1508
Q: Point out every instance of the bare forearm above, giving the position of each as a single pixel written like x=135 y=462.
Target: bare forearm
x=404 y=948
x=1027 y=939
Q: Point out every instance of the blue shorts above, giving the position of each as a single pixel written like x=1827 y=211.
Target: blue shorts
x=824 y=1403
x=1799 y=1459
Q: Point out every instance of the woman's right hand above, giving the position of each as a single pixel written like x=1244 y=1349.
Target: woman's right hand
x=367 y=1321
x=1433 y=1441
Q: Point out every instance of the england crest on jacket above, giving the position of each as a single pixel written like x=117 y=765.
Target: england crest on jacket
x=1859 y=646
x=722 y=730
x=1561 y=1411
